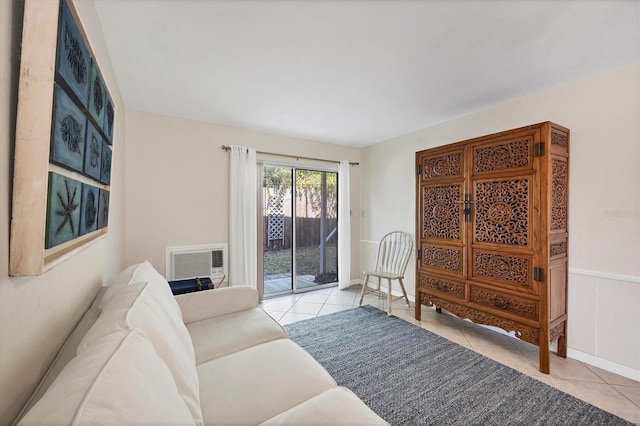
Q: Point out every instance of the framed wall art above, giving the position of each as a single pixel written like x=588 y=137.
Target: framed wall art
x=64 y=142
x=105 y=164
x=63 y=209
x=108 y=121
x=89 y=209
x=93 y=153
x=72 y=56
x=103 y=209
x=97 y=97
x=68 y=132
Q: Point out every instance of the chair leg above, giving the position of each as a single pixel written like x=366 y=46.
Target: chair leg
x=364 y=286
x=404 y=292
x=390 y=298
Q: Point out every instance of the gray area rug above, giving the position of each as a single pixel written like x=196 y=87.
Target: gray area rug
x=410 y=376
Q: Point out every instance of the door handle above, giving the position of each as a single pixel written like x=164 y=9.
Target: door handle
x=467 y=206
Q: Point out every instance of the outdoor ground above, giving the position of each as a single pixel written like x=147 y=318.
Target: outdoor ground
x=307 y=260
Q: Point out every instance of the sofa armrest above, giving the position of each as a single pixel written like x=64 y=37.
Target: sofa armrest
x=201 y=305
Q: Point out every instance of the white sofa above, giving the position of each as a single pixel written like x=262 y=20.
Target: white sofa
x=142 y=356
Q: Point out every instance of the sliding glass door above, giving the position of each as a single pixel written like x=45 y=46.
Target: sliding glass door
x=277 y=247
x=300 y=229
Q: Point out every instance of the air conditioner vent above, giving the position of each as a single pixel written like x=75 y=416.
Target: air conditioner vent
x=187 y=262
x=191 y=265
x=217 y=258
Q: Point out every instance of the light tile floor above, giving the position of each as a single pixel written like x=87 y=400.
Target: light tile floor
x=613 y=393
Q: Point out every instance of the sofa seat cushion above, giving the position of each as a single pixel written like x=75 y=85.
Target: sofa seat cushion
x=202 y=305
x=256 y=384
x=223 y=335
x=118 y=380
x=338 y=406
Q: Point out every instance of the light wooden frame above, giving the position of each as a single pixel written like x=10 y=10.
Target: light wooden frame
x=27 y=255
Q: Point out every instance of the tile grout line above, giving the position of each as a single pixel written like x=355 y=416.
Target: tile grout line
x=623 y=395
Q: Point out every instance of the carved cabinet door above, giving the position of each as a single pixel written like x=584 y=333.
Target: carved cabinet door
x=505 y=195
x=441 y=238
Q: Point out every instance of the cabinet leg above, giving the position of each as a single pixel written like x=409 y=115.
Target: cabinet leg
x=544 y=354
x=562 y=345
x=418 y=307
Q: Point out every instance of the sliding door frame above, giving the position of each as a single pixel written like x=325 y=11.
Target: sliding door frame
x=260 y=206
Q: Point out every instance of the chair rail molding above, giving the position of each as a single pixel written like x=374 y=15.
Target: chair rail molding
x=605 y=275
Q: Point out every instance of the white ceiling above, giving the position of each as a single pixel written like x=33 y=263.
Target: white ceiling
x=355 y=72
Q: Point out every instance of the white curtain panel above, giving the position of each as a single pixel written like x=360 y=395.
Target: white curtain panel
x=243 y=232
x=344 y=226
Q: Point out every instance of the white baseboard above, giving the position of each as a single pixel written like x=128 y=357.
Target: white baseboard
x=604 y=364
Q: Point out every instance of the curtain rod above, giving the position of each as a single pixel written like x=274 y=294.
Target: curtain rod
x=298 y=157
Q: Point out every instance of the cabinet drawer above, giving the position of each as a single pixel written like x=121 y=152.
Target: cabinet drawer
x=514 y=271
x=444 y=286
x=515 y=305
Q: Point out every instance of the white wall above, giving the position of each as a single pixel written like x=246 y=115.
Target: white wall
x=603 y=114
x=178 y=181
x=38 y=313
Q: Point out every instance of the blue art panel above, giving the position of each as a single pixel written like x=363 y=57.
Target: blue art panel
x=89 y=209
x=97 y=95
x=93 y=152
x=103 y=209
x=72 y=56
x=63 y=210
x=109 y=117
x=105 y=168
x=68 y=132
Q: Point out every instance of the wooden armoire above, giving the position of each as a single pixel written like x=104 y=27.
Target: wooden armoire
x=492 y=232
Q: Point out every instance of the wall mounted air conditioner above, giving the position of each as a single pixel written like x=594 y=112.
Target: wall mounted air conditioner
x=200 y=261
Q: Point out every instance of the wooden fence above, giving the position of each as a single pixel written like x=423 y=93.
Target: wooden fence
x=307 y=232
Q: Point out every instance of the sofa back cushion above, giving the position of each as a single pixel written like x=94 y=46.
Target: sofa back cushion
x=137 y=305
x=120 y=379
x=122 y=279
x=142 y=272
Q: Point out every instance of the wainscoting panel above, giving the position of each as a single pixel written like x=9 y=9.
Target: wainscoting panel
x=583 y=302
x=604 y=321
